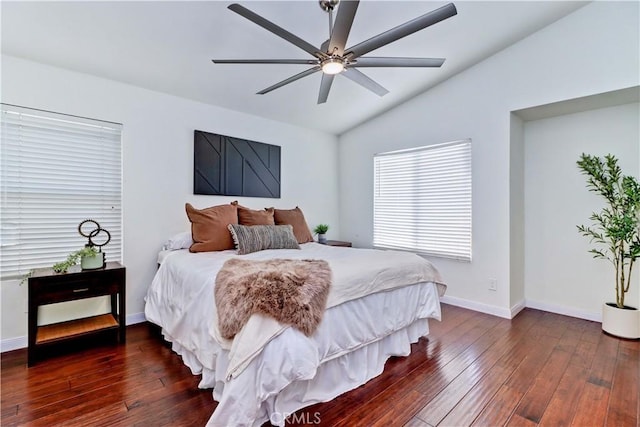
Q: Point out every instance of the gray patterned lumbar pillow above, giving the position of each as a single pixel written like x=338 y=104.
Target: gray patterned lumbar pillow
x=255 y=238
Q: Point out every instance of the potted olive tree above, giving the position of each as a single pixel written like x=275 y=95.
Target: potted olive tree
x=616 y=232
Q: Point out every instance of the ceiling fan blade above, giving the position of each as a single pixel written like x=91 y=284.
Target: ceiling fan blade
x=342 y=26
x=325 y=45
x=363 y=80
x=266 y=61
x=325 y=86
x=291 y=79
x=275 y=29
x=403 y=30
x=398 y=62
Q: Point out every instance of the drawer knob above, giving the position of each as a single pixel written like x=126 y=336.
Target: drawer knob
x=81 y=290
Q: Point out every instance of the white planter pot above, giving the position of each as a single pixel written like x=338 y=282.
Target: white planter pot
x=92 y=262
x=623 y=323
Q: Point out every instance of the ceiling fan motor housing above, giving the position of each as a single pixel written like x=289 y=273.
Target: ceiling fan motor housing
x=328 y=5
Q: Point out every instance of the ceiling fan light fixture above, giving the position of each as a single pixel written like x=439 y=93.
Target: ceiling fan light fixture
x=332 y=66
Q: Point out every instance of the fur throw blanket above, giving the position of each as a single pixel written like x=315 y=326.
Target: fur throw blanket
x=294 y=292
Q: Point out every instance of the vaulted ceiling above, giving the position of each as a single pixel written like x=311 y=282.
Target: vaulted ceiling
x=168 y=47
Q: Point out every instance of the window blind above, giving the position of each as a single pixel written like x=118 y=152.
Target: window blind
x=57 y=170
x=422 y=200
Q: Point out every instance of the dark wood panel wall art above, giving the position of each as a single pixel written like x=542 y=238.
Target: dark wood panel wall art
x=228 y=166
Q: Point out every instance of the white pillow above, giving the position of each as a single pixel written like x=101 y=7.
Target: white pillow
x=179 y=241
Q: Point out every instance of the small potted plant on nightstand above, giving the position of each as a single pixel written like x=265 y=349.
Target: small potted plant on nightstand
x=321 y=231
x=87 y=255
x=616 y=229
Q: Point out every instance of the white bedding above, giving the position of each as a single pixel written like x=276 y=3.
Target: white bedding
x=285 y=372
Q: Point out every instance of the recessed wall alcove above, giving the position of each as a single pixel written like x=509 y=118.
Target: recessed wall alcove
x=550 y=267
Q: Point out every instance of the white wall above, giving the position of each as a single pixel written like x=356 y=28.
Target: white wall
x=158 y=166
x=593 y=50
x=560 y=274
x=516 y=215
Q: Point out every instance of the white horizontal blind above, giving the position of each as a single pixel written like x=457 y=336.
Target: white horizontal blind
x=422 y=200
x=57 y=170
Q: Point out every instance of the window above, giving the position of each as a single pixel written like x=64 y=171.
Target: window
x=422 y=200
x=57 y=170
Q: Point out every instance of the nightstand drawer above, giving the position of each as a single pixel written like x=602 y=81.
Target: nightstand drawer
x=56 y=291
x=69 y=287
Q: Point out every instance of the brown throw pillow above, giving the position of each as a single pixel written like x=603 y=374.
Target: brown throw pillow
x=248 y=216
x=209 y=227
x=295 y=218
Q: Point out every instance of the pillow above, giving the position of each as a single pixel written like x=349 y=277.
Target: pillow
x=209 y=227
x=248 y=216
x=255 y=238
x=295 y=218
x=179 y=241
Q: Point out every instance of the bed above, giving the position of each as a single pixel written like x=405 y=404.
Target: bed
x=379 y=303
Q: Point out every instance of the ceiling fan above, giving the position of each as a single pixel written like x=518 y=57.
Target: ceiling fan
x=332 y=58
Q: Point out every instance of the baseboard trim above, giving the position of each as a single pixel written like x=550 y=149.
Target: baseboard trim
x=565 y=311
x=517 y=308
x=477 y=306
x=16 y=343
x=134 y=318
x=13 y=344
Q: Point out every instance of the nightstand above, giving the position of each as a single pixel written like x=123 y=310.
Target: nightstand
x=337 y=243
x=48 y=287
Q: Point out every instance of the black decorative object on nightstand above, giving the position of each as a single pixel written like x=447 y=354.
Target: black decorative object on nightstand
x=48 y=287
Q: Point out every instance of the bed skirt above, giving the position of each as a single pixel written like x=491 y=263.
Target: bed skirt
x=293 y=371
x=324 y=383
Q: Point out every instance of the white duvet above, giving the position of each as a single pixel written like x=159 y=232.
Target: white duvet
x=266 y=360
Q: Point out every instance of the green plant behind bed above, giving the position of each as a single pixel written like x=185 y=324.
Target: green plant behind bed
x=321 y=229
x=617 y=227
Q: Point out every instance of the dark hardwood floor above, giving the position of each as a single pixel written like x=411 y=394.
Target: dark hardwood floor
x=473 y=369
